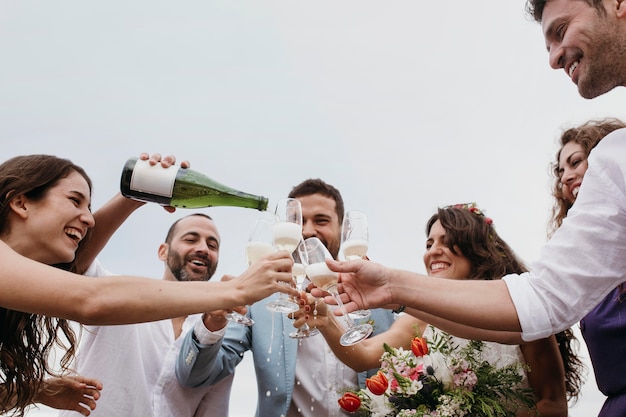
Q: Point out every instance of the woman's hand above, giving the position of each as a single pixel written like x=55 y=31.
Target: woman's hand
x=313 y=311
x=265 y=277
x=166 y=162
x=76 y=393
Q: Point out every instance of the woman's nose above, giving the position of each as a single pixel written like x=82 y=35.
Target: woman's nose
x=569 y=175
x=88 y=219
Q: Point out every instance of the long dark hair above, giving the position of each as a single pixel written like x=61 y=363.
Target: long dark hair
x=26 y=340
x=474 y=234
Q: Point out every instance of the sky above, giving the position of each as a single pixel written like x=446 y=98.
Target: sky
x=404 y=106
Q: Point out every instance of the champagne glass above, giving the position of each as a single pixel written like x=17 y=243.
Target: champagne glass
x=299 y=274
x=354 y=244
x=314 y=254
x=259 y=244
x=286 y=235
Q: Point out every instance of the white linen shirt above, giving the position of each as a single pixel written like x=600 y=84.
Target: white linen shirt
x=316 y=394
x=586 y=258
x=136 y=365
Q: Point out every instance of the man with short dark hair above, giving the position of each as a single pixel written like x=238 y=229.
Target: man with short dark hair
x=294 y=377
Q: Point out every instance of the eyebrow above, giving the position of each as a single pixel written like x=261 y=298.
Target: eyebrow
x=197 y=235
x=569 y=158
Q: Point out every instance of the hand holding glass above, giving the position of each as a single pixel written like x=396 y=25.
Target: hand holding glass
x=259 y=244
x=354 y=243
x=299 y=274
x=314 y=255
x=287 y=234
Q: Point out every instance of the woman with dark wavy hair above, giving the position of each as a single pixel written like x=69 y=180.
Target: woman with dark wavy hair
x=603 y=328
x=45 y=217
x=462 y=244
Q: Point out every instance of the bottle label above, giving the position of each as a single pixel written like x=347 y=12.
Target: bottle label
x=153 y=179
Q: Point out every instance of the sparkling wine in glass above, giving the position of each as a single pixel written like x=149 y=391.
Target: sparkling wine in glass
x=286 y=235
x=259 y=244
x=314 y=255
x=299 y=274
x=354 y=244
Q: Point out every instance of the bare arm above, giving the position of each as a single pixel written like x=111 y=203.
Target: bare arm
x=27 y=285
x=468 y=332
x=365 y=354
x=112 y=215
x=481 y=304
x=546 y=377
x=75 y=393
x=108 y=219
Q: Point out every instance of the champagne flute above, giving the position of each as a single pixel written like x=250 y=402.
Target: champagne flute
x=354 y=244
x=299 y=274
x=314 y=254
x=259 y=244
x=286 y=235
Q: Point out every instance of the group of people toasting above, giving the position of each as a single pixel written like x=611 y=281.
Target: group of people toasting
x=178 y=344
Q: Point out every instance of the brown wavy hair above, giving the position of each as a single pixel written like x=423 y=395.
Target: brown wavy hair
x=492 y=258
x=587 y=135
x=26 y=340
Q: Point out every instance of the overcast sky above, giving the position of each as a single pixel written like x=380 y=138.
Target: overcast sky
x=403 y=105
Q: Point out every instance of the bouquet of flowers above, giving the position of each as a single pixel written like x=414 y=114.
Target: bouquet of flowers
x=440 y=378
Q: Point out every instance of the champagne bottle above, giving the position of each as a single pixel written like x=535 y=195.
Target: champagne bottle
x=181 y=187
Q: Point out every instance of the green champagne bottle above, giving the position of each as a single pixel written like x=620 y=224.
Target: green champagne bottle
x=181 y=187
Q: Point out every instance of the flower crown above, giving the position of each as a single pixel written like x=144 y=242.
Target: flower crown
x=472 y=208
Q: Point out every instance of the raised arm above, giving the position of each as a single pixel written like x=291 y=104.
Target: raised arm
x=111 y=216
x=27 y=285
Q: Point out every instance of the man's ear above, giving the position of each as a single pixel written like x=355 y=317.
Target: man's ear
x=18 y=205
x=163 y=251
x=620 y=8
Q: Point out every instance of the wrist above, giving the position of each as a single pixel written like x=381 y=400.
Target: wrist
x=399 y=309
x=214 y=322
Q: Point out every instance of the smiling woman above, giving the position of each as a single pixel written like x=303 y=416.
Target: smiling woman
x=45 y=216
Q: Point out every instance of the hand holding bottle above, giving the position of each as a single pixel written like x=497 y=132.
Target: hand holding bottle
x=144 y=180
x=166 y=162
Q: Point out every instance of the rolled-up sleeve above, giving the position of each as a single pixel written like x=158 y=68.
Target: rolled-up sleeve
x=586 y=257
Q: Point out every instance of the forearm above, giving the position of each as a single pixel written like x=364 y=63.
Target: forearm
x=468 y=332
x=480 y=304
x=108 y=219
x=45 y=290
x=358 y=357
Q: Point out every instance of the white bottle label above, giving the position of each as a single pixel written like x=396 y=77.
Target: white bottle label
x=153 y=179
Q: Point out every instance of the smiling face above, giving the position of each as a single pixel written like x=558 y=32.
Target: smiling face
x=193 y=250
x=587 y=44
x=51 y=227
x=440 y=261
x=572 y=168
x=320 y=219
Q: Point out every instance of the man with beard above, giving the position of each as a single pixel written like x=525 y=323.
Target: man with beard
x=136 y=362
x=294 y=378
